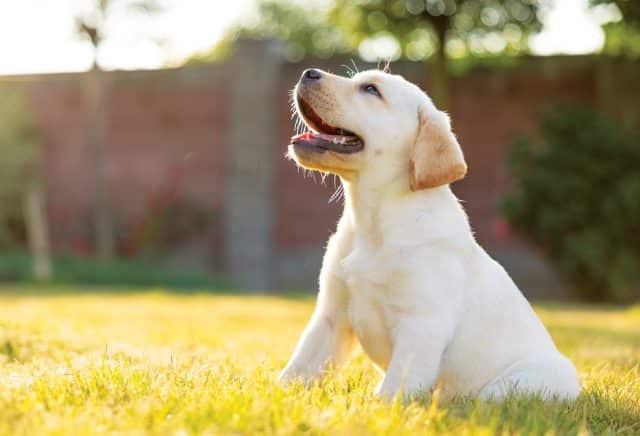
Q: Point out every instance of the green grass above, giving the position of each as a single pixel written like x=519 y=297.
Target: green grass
x=191 y=364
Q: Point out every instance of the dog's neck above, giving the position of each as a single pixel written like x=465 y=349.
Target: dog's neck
x=366 y=200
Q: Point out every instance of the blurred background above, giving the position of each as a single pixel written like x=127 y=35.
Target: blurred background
x=142 y=142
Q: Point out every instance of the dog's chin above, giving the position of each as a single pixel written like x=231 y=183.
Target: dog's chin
x=323 y=161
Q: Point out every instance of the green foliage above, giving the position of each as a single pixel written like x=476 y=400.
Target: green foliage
x=19 y=144
x=16 y=267
x=622 y=39
x=163 y=364
x=630 y=9
x=623 y=33
x=305 y=30
x=470 y=27
x=576 y=194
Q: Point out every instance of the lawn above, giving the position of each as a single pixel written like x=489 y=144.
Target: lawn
x=153 y=362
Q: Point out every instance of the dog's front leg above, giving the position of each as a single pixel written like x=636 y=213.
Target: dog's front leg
x=328 y=337
x=325 y=342
x=415 y=360
x=426 y=310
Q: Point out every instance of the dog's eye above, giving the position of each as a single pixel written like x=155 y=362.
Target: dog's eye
x=371 y=89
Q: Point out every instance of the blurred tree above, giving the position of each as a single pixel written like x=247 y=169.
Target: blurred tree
x=90 y=24
x=427 y=30
x=91 y=19
x=21 y=183
x=623 y=32
x=630 y=9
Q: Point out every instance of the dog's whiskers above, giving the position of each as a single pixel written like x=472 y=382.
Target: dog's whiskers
x=337 y=194
x=300 y=126
x=323 y=178
x=355 y=67
x=350 y=71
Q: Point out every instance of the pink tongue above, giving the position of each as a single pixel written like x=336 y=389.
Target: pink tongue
x=305 y=135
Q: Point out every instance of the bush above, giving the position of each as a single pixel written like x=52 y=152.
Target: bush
x=168 y=219
x=18 y=147
x=576 y=194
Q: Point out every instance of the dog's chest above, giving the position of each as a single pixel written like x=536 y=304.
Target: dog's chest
x=367 y=278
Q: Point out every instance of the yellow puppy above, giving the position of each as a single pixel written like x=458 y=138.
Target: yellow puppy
x=403 y=274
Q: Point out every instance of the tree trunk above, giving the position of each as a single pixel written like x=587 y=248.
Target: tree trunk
x=96 y=137
x=438 y=84
x=38 y=230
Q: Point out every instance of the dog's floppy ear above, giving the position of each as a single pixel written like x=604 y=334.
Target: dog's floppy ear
x=436 y=157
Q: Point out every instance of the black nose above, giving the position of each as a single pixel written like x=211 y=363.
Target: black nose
x=311 y=75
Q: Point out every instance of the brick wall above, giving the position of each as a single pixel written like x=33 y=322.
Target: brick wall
x=165 y=134
x=218 y=133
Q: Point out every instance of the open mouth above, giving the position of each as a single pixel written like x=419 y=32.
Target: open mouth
x=323 y=136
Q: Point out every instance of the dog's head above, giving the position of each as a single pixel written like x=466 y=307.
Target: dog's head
x=377 y=123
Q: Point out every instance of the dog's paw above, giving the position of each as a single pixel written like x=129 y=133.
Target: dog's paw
x=291 y=375
x=287 y=376
x=406 y=394
x=386 y=392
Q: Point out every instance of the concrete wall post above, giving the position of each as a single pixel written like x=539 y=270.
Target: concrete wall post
x=251 y=165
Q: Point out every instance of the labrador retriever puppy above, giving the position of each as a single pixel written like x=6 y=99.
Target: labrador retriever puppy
x=403 y=274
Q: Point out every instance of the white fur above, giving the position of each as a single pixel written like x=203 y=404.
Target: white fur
x=404 y=275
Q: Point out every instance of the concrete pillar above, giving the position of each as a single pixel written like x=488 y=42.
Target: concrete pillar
x=251 y=164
